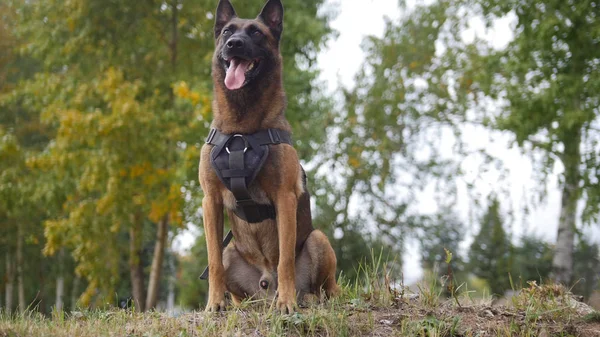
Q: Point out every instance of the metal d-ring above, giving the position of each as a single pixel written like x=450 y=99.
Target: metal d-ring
x=237 y=135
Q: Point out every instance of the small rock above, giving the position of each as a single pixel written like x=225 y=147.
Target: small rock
x=543 y=333
x=410 y=297
x=581 y=308
x=487 y=313
x=386 y=322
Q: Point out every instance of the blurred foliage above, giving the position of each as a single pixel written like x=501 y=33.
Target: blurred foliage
x=546 y=82
x=193 y=292
x=105 y=106
x=531 y=261
x=586 y=268
x=385 y=145
x=440 y=250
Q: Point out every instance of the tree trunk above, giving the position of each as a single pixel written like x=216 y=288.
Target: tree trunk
x=75 y=293
x=171 y=286
x=10 y=281
x=60 y=291
x=40 y=297
x=60 y=282
x=562 y=263
x=136 y=270
x=174 y=34
x=157 y=261
x=20 y=281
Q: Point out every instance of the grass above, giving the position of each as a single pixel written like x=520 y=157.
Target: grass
x=371 y=305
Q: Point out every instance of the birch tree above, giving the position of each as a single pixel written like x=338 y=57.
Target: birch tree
x=549 y=78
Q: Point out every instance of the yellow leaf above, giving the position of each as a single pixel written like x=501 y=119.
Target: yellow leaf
x=139 y=200
x=181 y=90
x=71 y=24
x=195 y=97
x=354 y=162
x=157 y=210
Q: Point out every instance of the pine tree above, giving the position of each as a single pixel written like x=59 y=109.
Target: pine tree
x=489 y=256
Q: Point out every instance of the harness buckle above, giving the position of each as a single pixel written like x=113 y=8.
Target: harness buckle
x=211 y=135
x=237 y=135
x=275 y=140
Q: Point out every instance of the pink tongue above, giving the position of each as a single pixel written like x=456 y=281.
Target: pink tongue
x=236 y=74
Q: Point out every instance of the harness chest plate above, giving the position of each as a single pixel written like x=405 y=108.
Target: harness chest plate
x=237 y=159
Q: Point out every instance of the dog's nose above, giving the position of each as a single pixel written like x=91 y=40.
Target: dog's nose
x=264 y=284
x=234 y=43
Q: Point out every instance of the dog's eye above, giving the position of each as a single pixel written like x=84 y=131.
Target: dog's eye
x=256 y=32
x=226 y=31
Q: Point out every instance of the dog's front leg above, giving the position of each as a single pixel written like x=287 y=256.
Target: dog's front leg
x=286 y=205
x=213 y=231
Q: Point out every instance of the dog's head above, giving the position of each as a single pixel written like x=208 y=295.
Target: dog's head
x=247 y=50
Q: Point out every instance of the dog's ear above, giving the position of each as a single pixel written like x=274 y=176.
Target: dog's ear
x=272 y=16
x=225 y=13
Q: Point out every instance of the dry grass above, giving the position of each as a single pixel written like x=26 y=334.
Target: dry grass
x=370 y=306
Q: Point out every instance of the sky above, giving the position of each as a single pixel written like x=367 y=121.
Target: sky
x=340 y=62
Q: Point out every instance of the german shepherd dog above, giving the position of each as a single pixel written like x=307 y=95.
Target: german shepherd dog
x=284 y=256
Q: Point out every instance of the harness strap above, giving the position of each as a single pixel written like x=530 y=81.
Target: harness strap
x=238 y=183
x=226 y=241
x=235 y=173
x=263 y=137
x=246 y=207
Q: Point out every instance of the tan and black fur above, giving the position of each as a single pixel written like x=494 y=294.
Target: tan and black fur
x=284 y=255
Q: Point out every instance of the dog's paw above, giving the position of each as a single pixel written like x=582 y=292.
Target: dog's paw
x=286 y=305
x=215 y=305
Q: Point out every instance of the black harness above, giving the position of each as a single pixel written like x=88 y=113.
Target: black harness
x=237 y=159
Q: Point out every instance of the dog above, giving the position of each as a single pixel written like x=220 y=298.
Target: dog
x=276 y=253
